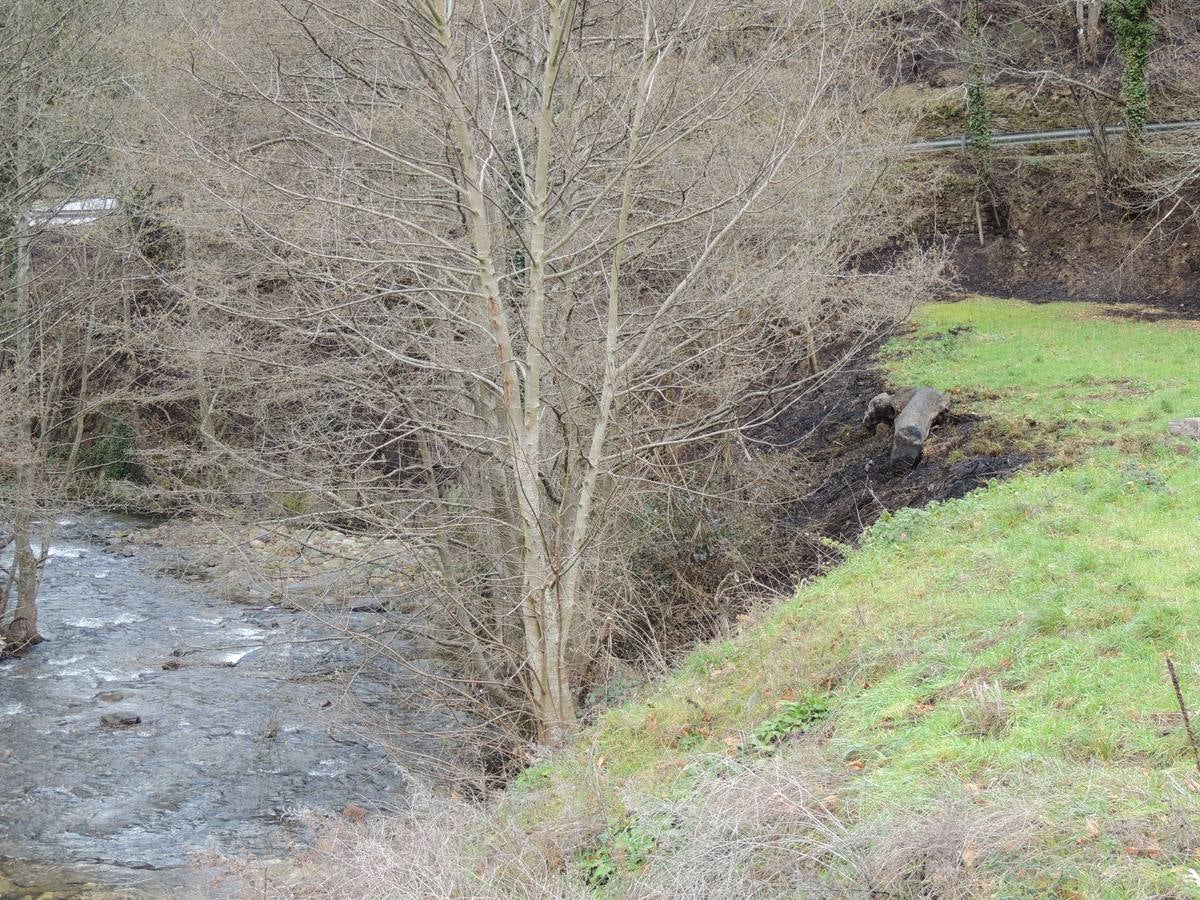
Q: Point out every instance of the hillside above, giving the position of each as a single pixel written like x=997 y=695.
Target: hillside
x=1080 y=220
x=432 y=436
x=976 y=703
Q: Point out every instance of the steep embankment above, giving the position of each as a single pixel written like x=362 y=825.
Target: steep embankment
x=977 y=701
x=1062 y=238
x=1080 y=220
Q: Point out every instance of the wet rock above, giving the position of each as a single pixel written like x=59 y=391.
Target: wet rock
x=247 y=596
x=1188 y=428
x=112 y=696
x=316 y=590
x=186 y=570
x=242 y=585
x=374 y=607
x=120 y=720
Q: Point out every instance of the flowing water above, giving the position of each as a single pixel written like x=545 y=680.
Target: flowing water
x=239 y=726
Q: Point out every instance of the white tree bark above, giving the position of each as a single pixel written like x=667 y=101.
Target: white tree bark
x=21 y=630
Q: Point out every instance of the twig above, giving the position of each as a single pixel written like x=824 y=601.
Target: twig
x=1187 y=722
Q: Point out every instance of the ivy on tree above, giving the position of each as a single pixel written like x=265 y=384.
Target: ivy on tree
x=1134 y=28
x=979 y=117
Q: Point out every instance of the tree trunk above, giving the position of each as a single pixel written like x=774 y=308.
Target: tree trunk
x=79 y=414
x=883 y=408
x=1087 y=18
x=913 y=424
x=21 y=631
x=553 y=704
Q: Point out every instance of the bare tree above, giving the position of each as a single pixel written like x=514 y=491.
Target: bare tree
x=49 y=71
x=513 y=262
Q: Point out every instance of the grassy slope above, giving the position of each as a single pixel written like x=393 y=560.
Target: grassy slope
x=1059 y=591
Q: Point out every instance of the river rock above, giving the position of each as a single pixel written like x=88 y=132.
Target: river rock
x=187 y=570
x=241 y=586
x=317 y=590
x=120 y=720
x=1188 y=428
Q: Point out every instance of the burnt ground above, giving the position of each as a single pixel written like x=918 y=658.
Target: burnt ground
x=1061 y=240
x=852 y=484
x=1084 y=256
x=829 y=481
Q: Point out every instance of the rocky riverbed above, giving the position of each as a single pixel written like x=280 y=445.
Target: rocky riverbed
x=183 y=708
x=299 y=566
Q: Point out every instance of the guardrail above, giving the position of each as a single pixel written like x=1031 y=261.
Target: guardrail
x=1043 y=137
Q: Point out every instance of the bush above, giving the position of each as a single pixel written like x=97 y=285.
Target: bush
x=689 y=558
x=112 y=454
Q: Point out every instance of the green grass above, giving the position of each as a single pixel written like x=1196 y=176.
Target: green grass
x=1056 y=363
x=1060 y=590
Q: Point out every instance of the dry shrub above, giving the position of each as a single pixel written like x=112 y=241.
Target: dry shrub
x=440 y=847
x=751 y=830
x=685 y=559
x=943 y=852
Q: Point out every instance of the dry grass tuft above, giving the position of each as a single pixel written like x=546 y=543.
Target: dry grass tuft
x=776 y=829
x=943 y=853
x=439 y=848
x=986 y=715
x=762 y=829
x=773 y=827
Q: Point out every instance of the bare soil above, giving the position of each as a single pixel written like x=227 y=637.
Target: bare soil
x=1061 y=242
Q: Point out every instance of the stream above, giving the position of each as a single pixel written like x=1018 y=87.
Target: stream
x=240 y=726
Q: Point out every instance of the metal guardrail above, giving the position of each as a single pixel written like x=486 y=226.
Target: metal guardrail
x=1043 y=137
x=70 y=212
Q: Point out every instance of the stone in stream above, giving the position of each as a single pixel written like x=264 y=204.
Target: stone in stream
x=120 y=720
x=1188 y=428
x=111 y=696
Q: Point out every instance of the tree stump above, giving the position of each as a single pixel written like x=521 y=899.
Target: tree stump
x=910 y=413
x=883 y=408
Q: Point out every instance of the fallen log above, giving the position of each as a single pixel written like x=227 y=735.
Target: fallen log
x=912 y=424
